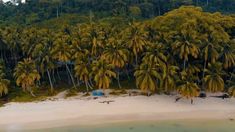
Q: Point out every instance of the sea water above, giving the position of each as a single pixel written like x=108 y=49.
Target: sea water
x=153 y=126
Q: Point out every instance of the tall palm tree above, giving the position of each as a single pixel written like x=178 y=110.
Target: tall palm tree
x=43 y=57
x=26 y=74
x=135 y=37
x=186 y=45
x=213 y=80
x=103 y=73
x=117 y=55
x=210 y=54
x=83 y=68
x=61 y=51
x=146 y=77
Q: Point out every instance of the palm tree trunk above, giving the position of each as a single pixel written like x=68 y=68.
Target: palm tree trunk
x=87 y=87
x=31 y=92
x=136 y=60
x=51 y=84
x=71 y=76
x=90 y=81
x=57 y=72
x=184 y=64
x=118 y=79
x=203 y=75
x=53 y=76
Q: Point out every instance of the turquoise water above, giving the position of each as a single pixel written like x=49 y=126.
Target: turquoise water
x=160 y=126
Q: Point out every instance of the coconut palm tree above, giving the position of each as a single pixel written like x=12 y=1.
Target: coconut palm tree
x=135 y=37
x=210 y=54
x=169 y=77
x=155 y=55
x=4 y=86
x=83 y=68
x=117 y=55
x=228 y=55
x=92 y=36
x=61 y=51
x=4 y=83
x=103 y=73
x=146 y=77
x=213 y=79
x=186 y=86
x=43 y=57
x=185 y=45
x=26 y=74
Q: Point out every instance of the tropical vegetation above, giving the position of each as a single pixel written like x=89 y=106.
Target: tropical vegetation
x=186 y=50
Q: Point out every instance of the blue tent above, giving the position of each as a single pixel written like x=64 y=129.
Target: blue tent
x=97 y=93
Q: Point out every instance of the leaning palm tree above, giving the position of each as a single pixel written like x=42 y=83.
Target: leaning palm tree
x=26 y=74
x=146 y=77
x=103 y=73
x=117 y=55
x=213 y=79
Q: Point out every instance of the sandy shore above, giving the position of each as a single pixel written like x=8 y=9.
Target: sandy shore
x=86 y=111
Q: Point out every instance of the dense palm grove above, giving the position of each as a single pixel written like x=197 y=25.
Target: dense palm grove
x=186 y=50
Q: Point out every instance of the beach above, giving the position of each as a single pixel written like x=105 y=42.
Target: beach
x=87 y=111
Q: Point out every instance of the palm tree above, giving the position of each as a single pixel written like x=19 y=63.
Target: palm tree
x=61 y=51
x=155 y=55
x=209 y=53
x=213 y=80
x=188 y=90
x=26 y=74
x=187 y=87
x=231 y=85
x=92 y=35
x=4 y=83
x=135 y=36
x=169 y=77
x=103 y=73
x=83 y=68
x=117 y=55
x=43 y=57
x=146 y=77
x=228 y=55
x=185 y=45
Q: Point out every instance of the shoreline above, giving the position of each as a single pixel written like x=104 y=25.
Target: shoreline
x=80 y=111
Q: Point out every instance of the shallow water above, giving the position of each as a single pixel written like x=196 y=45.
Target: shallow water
x=153 y=126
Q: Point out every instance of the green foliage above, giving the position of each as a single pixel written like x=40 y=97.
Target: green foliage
x=184 y=50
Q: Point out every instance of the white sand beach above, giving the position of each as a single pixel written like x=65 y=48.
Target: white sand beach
x=89 y=111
